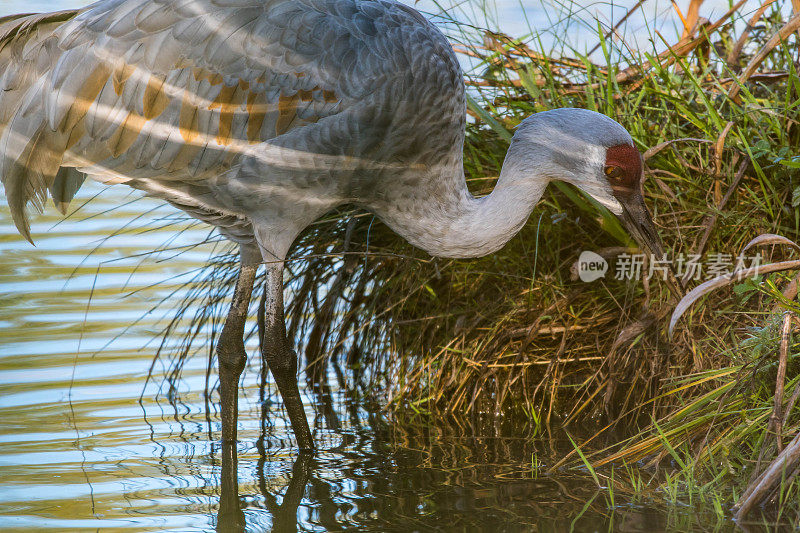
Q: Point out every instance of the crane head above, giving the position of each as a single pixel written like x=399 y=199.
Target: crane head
x=597 y=155
x=624 y=172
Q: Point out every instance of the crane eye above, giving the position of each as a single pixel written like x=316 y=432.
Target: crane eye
x=613 y=172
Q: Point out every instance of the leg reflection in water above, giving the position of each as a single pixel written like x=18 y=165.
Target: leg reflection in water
x=284 y=516
x=231 y=518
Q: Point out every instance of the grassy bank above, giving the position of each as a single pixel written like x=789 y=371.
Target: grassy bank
x=716 y=115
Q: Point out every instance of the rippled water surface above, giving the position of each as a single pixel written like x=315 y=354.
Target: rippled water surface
x=87 y=442
x=91 y=439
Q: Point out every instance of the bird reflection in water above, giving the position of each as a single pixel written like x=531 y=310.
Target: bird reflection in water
x=231 y=517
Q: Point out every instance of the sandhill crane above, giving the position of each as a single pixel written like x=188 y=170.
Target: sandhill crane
x=259 y=116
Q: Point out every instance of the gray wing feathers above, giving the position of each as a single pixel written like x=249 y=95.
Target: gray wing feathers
x=30 y=154
x=178 y=91
x=64 y=187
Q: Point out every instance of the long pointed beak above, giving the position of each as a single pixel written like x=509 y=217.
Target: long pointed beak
x=639 y=223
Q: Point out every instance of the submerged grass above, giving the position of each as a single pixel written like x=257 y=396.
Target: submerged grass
x=715 y=113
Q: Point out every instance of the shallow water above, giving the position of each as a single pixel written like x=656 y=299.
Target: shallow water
x=92 y=439
x=87 y=442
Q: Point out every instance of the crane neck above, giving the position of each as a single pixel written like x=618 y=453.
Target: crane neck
x=474 y=227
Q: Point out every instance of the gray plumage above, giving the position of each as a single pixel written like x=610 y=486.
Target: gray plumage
x=253 y=116
x=231 y=110
x=258 y=116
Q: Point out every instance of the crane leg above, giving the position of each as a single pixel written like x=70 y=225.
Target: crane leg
x=281 y=359
x=230 y=348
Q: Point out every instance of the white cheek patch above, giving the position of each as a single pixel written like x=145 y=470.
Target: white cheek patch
x=611 y=203
x=603 y=194
x=587 y=178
